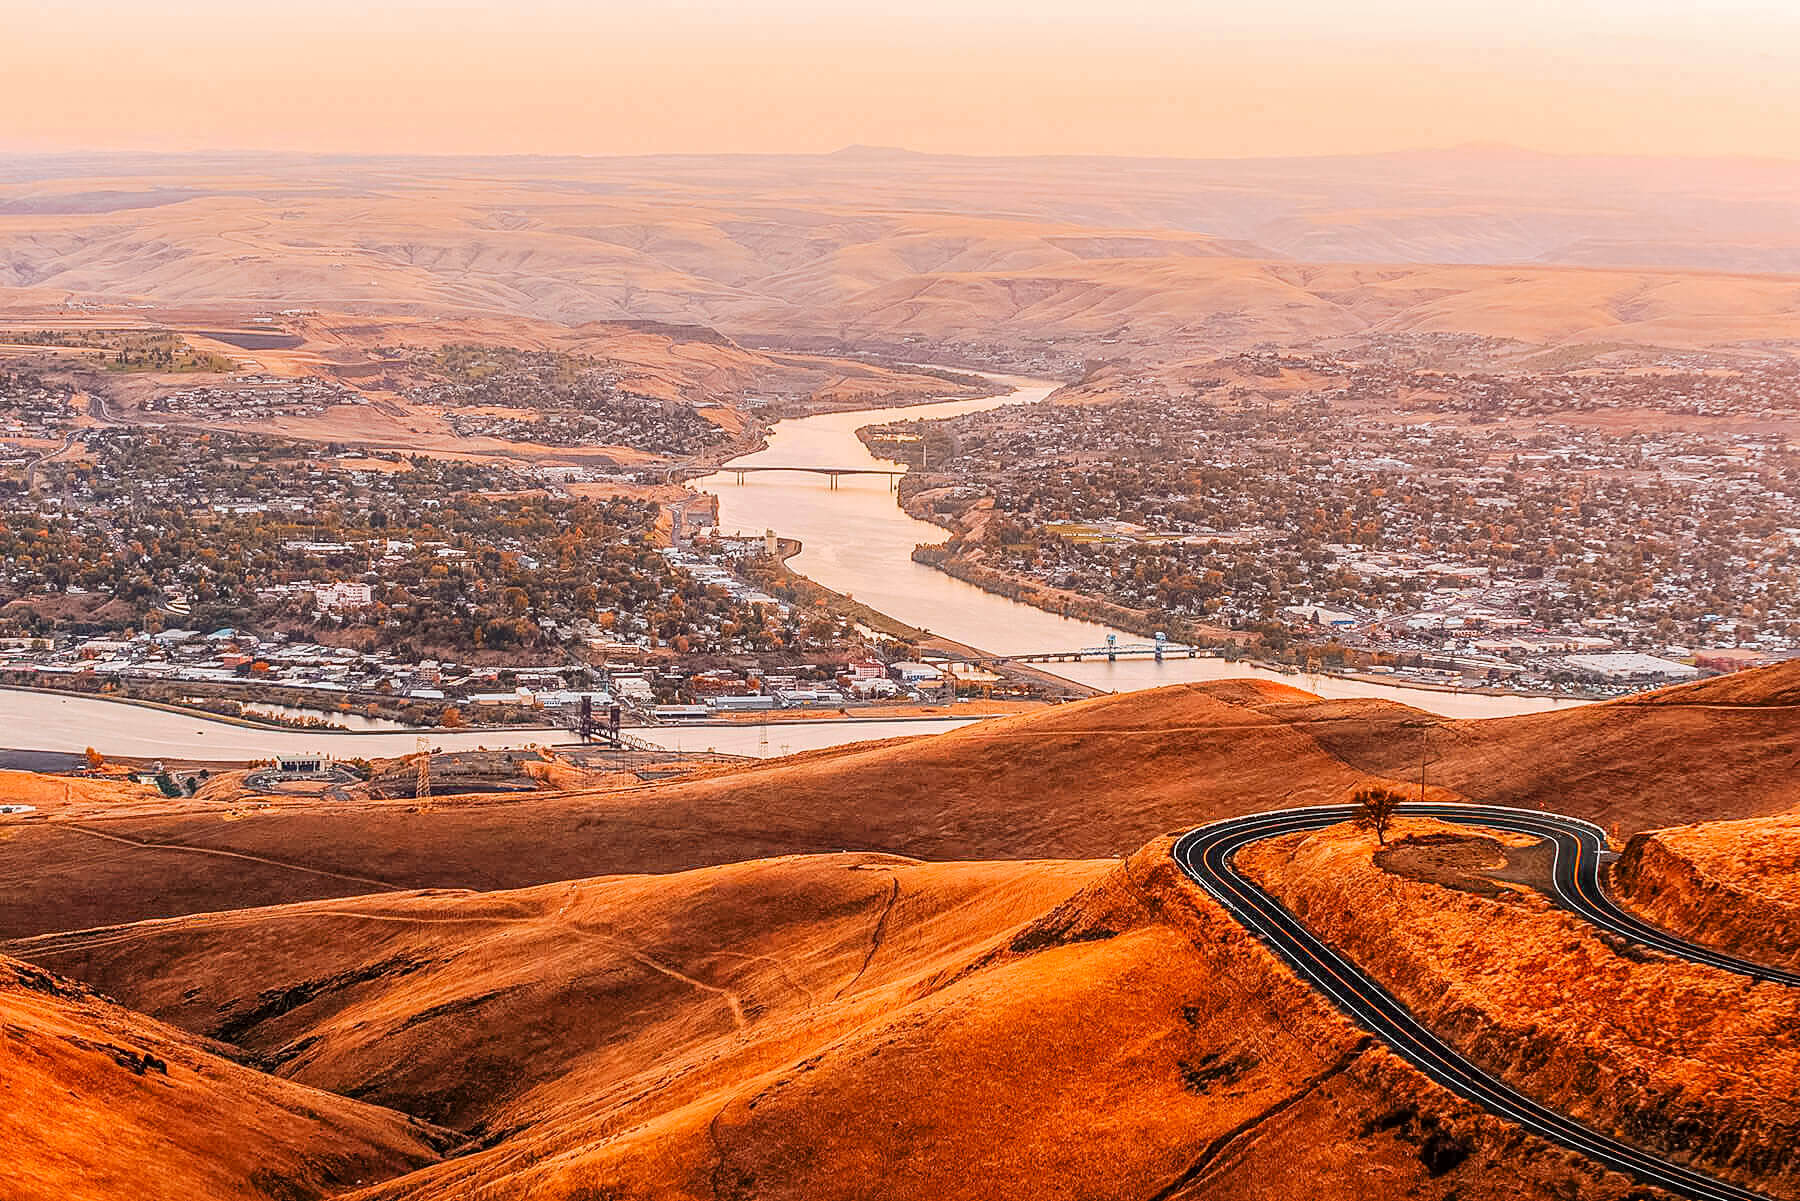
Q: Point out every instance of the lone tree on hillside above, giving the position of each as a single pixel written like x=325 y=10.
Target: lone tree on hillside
x=1375 y=810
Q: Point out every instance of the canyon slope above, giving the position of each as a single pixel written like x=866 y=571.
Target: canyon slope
x=828 y=1026
x=951 y=966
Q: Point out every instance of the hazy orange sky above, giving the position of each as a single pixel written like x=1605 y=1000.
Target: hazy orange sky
x=1165 y=77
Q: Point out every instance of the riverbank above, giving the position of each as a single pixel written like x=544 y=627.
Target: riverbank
x=66 y=724
x=923 y=640
x=855 y=541
x=919 y=495
x=226 y=719
x=1213 y=638
x=967 y=385
x=187 y=710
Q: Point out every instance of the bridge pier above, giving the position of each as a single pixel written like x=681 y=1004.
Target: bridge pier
x=834 y=475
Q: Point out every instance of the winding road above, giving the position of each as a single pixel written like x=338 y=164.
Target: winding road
x=1206 y=856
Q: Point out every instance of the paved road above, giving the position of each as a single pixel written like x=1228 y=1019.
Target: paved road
x=1206 y=855
x=31 y=468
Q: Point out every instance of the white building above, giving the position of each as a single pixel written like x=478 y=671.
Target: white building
x=342 y=595
x=1630 y=665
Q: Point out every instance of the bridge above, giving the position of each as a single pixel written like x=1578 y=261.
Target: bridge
x=834 y=473
x=1114 y=650
x=605 y=730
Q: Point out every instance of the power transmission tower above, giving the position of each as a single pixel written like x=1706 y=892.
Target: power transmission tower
x=422 y=771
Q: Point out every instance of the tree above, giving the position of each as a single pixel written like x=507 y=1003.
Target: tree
x=95 y=760
x=452 y=718
x=1375 y=810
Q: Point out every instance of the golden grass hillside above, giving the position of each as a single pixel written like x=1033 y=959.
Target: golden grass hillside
x=1733 y=885
x=1695 y=1063
x=99 y=1103
x=832 y=1027
x=488 y=1011
x=1090 y=779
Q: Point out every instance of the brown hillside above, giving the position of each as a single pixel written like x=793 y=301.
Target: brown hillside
x=488 y=1011
x=99 y=1103
x=824 y=1028
x=1696 y=1063
x=1098 y=255
x=1081 y=780
x=1734 y=885
x=1722 y=748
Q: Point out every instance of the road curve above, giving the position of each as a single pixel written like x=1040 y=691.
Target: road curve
x=1206 y=856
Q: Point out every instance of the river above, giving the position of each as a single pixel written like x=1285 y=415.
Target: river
x=37 y=721
x=856 y=539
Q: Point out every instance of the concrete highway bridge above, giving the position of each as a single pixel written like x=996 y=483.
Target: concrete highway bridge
x=833 y=473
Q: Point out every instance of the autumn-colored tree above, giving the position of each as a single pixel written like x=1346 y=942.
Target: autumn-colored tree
x=95 y=760
x=1375 y=810
x=452 y=719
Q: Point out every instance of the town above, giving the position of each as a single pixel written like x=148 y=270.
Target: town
x=221 y=571
x=278 y=680
x=1537 y=554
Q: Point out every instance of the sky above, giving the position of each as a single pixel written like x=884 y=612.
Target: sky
x=1186 y=78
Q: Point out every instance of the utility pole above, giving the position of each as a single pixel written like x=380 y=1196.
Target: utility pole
x=1424 y=750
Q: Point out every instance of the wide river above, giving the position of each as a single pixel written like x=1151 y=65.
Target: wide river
x=36 y=721
x=855 y=539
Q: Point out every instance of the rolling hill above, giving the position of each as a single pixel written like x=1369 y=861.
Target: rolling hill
x=1059 y=256
x=1095 y=778
x=692 y=989
x=98 y=1102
